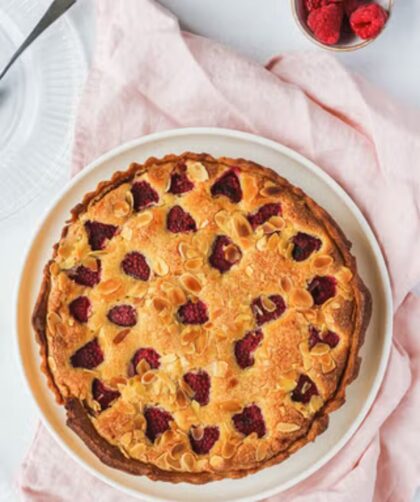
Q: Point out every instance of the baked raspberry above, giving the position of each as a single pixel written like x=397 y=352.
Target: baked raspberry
x=304 y=390
x=262 y=314
x=246 y=346
x=314 y=337
x=223 y=258
x=351 y=5
x=179 y=181
x=325 y=23
x=143 y=195
x=123 y=315
x=134 y=264
x=86 y=276
x=263 y=214
x=200 y=384
x=89 y=356
x=149 y=355
x=322 y=288
x=157 y=421
x=179 y=221
x=99 y=233
x=304 y=246
x=103 y=394
x=367 y=21
x=229 y=186
x=206 y=442
x=193 y=312
x=80 y=308
x=330 y=338
x=250 y=420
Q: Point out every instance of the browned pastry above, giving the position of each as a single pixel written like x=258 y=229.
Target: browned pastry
x=200 y=319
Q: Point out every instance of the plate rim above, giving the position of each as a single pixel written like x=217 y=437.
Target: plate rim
x=306 y=163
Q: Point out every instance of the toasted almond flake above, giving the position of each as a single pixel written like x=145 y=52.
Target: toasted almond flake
x=232 y=383
x=110 y=286
x=307 y=363
x=168 y=358
x=344 y=275
x=196 y=171
x=142 y=367
x=277 y=222
x=261 y=243
x=197 y=432
x=249 y=271
x=161 y=267
x=189 y=335
x=241 y=225
x=301 y=298
x=129 y=197
x=222 y=218
x=181 y=399
x=272 y=242
x=183 y=249
x=127 y=233
x=177 y=296
x=144 y=218
x=177 y=450
x=268 y=305
x=232 y=253
x=190 y=283
x=268 y=228
x=322 y=261
x=327 y=364
x=230 y=406
x=148 y=377
x=166 y=438
x=119 y=337
x=126 y=439
x=287 y=427
x=229 y=449
x=315 y=404
x=249 y=187
x=219 y=368
x=172 y=462
x=159 y=304
x=138 y=450
x=270 y=189
x=286 y=384
x=194 y=264
x=261 y=452
x=217 y=462
x=320 y=349
x=200 y=343
x=187 y=462
x=303 y=348
x=121 y=208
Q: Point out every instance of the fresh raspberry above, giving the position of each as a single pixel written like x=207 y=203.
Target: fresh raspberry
x=304 y=246
x=179 y=220
x=228 y=185
x=325 y=23
x=218 y=258
x=263 y=214
x=322 y=288
x=351 y=5
x=314 y=337
x=262 y=315
x=98 y=233
x=103 y=394
x=250 y=420
x=179 y=181
x=367 y=21
x=311 y=5
x=80 y=308
x=143 y=195
x=246 y=346
x=149 y=355
x=157 y=422
x=206 y=443
x=89 y=356
x=86 y=276
x=200 y=384
x=193 y=312
x=304 y=390
x=123 y=315
x=134 y=264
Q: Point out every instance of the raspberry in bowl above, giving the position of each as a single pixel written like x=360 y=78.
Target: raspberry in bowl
x=342 y=25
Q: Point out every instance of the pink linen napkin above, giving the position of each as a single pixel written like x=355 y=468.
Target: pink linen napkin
x=149 y=76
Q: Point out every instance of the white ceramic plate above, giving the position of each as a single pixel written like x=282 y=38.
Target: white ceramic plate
x=37 y=102
x=326 y=192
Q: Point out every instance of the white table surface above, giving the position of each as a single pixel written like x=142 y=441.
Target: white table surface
x=256 y=28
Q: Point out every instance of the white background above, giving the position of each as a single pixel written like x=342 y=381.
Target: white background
x=256 y=28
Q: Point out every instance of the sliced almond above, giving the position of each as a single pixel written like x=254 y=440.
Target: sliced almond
x=286 y=284
x=231 y=406
x=320 y=349
x=187 y=462
x=249 y=271
x=277 y=222
x=232 y=253
x=161 y=267
x=301 y=298
x=121 y=208
x=197 y=432
x=144 y=218
x=194 y=264
x=286 y=384
x=110 y=286
x=160 y=304
x=197 y=171
x=177 y=296
x=148 y=377
x=315 y=404
x=249 y=187
x=261 y=244
x=126 y=233
x=287 y=427
x=261 y=452
x=270 y=189
x=219 y=368
x=190 y=283
x=119 y=337
x=222 y=219
x=177 y=450
x=273 y=242
x=241 y=225
x=183 y=249
x=200 y=343
x=181 y=399
x=327 y=363
x=217 y=462
x=322 y=261
x=268 y=304
x=229 y=449
x=344 y=275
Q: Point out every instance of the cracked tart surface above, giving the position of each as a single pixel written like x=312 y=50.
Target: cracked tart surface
x=200 y=318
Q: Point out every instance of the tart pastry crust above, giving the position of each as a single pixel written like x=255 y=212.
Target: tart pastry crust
x=199 y=319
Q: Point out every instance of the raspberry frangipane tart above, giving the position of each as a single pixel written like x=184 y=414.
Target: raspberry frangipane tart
x=200 y=319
